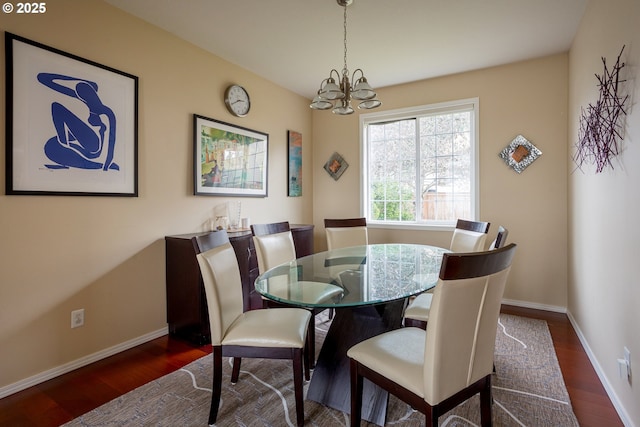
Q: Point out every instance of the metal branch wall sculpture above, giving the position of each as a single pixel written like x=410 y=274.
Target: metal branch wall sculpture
x=601 y=125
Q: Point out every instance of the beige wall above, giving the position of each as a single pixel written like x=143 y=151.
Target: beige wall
x=106 y=254
x=528 y=98
x=604 y=289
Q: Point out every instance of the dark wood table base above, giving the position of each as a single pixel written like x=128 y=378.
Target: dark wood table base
x=330 y=381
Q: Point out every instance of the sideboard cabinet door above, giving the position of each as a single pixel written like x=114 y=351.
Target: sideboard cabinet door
x=187 y=314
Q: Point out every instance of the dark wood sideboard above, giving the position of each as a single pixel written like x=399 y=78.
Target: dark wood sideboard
x=187 y=315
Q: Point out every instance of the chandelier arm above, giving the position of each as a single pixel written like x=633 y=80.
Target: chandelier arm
x=322 y=83
x=338 y=78
x=353 y=76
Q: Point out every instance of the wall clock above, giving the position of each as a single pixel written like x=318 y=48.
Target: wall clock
x=236 y=98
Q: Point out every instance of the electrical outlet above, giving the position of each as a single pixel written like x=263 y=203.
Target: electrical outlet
x=622 y=369
x=77 y=318
x=627 y=358
x=624 y=365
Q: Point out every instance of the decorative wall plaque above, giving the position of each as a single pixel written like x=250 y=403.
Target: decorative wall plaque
x=520 y=153
x=335 y=166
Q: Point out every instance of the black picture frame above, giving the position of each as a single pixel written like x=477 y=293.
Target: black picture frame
x=229 y=160
x=71 y=124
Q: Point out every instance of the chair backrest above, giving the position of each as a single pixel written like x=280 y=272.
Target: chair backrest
x=346 y=232
x=222 y=284
x=501 y=238
x=206 y=241
x=274 y=244
x=270 y=228
x=469 y=236
x=463 y=319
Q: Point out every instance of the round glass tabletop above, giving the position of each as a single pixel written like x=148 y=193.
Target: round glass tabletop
x=354 y=276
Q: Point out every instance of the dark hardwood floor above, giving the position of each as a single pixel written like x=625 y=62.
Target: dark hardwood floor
x=61 y=399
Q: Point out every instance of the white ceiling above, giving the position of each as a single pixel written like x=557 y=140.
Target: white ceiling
x=295 y=43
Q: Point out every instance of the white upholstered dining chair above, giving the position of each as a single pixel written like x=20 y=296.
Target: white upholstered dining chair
x=468 y=236
x=501 y=238
x=274 y=246
x=436 y=369
x=345 y=232
x=267 y=334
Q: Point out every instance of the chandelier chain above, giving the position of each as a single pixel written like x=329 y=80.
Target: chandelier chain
x=345 y=70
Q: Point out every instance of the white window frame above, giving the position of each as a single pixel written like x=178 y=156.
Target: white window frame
x=472 y=104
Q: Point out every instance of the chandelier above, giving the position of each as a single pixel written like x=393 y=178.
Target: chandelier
x=339 y=96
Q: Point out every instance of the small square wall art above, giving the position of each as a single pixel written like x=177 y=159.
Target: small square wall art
x=335 y=166
x=520 y=153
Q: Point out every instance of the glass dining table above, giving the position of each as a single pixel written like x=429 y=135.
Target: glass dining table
x=368 y=287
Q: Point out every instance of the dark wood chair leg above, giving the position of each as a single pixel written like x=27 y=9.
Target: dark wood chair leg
x=307 y=358
x=235 y=372
x=356 y=394
x=485 y=403
x=216 y=389
x=312 y=342
x=431 y=417
x=297 y=385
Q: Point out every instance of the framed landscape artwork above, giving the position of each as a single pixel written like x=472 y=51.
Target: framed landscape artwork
x=72 y=124
x=229 y=160
x=294 y=186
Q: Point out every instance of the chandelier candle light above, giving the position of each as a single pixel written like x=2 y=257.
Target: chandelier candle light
x=338 y=97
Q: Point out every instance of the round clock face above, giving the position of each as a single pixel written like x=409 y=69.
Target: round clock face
x=237 y=100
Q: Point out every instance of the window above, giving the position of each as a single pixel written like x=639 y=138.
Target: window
x=420 y=165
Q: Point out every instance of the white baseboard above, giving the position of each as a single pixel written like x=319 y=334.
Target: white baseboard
x=84 y=361
x=622 y=412
x=525 y=304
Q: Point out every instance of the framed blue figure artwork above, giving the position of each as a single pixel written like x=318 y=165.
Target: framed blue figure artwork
x=72 y=124
x=295 y=164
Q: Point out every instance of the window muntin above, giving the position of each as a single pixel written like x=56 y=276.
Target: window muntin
x=420 y=165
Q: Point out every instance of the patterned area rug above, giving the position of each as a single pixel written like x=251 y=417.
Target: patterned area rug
x=528 y=390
